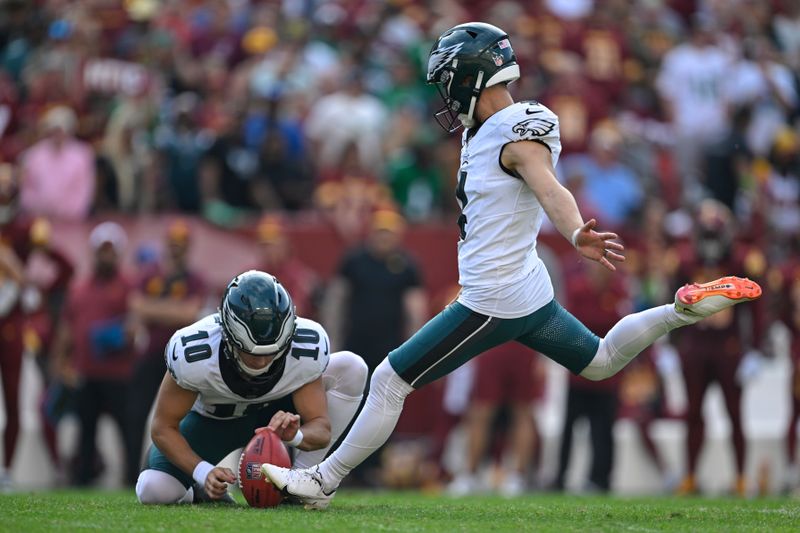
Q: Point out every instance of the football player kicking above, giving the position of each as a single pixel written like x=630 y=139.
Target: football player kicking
x=506 y=185
x=230 y=373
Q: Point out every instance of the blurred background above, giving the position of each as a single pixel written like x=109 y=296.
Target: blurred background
x=151 y=150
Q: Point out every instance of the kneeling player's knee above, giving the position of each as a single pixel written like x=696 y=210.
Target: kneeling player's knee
x=349 y=372
x=155 y=487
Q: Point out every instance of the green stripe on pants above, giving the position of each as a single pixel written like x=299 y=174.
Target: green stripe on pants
x=458 y=334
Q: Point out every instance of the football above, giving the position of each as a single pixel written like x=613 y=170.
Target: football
x=264 y=447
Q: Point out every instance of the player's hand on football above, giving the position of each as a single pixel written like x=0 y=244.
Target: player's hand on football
x=599 y=246
x=285 y=425
x=217 y=482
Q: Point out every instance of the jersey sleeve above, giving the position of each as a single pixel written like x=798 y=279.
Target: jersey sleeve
x=189 y=353
x=176 y=365
x=310 y=349
x=532 y=121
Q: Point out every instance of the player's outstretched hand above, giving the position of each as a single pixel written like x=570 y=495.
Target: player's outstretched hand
x=597 y=246
x=285 y=425
x=217 y=482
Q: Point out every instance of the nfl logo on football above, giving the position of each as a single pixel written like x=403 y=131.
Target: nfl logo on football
x=253 y=471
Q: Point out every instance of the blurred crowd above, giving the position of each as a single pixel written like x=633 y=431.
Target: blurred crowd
x=679 y=123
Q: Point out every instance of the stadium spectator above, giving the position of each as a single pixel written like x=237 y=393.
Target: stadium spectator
x=275 y=257
x=784 y=285
x=610 y=186
x=724 y=349
x=505 y=377
x=349 y=116
x=782 y=191
x=729 y=160
x=691 y=82
x=376 y=299
x=349 y=195
x=169 y=296
x=231 y=184
x=181 y=144
x=589 y=290
x=765 y=85
x=285 y=164
x=129 y=155
x=786 y=25
x=642 y=401
x=570 y=96
x=456 y=391
x=416 y=181
x=20 y=237
x=603 y=47
x=92 y=349
x=58 y=172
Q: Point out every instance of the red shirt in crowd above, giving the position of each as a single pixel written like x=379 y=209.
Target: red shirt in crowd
x=20 y=234
x=299 y=280
x=599 y=300
x=95 y=313
x=156 y=283
x=579 y=108
x=784 y=284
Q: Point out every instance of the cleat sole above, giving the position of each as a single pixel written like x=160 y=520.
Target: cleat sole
x=731 y=287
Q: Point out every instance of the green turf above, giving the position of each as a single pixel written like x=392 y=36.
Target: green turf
x=361 y=511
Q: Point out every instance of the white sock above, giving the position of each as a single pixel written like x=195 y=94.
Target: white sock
x=156 y=487
x=372 y=428
x=630 y=336
x=344 y=381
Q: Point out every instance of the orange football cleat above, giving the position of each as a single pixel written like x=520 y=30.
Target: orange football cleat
x=687 y=487
x=705 y=299
x=740 y=487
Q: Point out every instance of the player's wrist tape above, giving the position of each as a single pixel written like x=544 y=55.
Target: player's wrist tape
x=298 y=438
x=574 y=238
x=201 y=472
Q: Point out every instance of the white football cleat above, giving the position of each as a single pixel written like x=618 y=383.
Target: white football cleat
x=513 y=485
x=6 y=485
x=705 y=299
x=303 y=485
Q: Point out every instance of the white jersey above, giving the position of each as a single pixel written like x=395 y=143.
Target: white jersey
x=499 y=271
x=196 y=360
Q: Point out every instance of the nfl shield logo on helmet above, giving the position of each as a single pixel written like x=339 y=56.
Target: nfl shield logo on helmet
x=498 y=59
x=253 y=471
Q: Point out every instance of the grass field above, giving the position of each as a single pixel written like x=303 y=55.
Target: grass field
x=363 y=511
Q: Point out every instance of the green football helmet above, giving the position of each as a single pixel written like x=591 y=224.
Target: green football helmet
x=463 y=62
x=257 y=316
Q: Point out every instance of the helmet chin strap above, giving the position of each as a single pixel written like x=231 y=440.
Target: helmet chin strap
x=468 y=120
